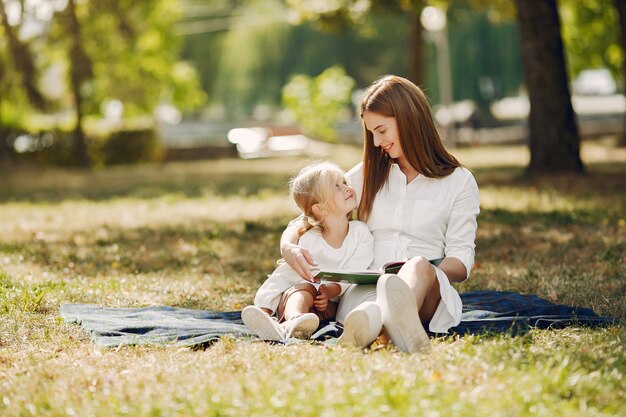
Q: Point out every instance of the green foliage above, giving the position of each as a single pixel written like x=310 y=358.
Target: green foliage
x=252 y=57
x=317 y=102
x=590 y=33
x=136 y=57
x=131 y=55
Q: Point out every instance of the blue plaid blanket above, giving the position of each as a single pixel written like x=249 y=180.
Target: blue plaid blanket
x=483 y=312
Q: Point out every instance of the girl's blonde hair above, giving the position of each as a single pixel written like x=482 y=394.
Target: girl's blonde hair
x=315 y=184
x=397 y=97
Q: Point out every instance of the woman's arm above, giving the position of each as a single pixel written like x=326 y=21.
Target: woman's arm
x=461 y=231
x=454 y=269
x=297 y=257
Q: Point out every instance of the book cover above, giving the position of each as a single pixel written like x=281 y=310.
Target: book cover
x=364 y=277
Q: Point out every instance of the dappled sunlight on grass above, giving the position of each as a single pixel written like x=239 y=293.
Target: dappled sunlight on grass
x=204 y=235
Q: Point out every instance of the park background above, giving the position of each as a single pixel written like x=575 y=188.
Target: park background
x=119 y=187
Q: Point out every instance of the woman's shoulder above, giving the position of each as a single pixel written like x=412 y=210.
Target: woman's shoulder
x=460 y=175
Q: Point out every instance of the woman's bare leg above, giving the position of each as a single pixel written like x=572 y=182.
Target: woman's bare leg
x=420 y=276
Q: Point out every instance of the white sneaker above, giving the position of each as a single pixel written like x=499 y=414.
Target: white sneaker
x=301 y=327
x=266 y=327
x=400 y=315
x=362 y=326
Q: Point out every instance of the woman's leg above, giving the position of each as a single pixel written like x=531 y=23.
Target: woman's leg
x=360 y=316
x=408 y=299
x=421 y=277
x=362 y=325
x=399 y=310
x=354 y=296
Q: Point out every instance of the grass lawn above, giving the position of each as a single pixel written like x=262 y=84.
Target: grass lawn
x=205 y=234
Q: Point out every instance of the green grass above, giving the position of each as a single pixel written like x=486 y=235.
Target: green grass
x=205 y=234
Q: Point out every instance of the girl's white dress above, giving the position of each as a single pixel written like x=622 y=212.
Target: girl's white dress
x=356 y=253
x=434 y=218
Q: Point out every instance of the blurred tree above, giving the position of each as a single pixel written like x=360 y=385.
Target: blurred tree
x=317 y=102
x=18 y=79
x=247 y=52
x=110 y=50
x=252 y=50
x=554 y=140
x=23 y=60
x=80 y=72
x=621 y=12
x=333 y=16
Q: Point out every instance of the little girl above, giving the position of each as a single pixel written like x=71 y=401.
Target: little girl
x=320 y=190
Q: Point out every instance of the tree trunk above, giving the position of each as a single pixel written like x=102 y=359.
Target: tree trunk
x=554 y=140
x=620 y=5
x=22 y=61
x=79 y=73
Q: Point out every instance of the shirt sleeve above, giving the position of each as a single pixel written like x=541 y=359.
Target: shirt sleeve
x=461 y=231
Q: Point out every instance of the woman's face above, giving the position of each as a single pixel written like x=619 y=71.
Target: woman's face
x=385 y=132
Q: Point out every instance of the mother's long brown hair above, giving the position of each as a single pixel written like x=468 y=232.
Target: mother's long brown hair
x=397 y=97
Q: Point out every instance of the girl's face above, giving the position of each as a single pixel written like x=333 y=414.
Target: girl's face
x=343 y=200
x=385 y=132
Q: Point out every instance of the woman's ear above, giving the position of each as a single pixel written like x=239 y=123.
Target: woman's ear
x=318 y=210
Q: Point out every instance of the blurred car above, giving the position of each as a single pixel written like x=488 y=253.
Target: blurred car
x=594 y=82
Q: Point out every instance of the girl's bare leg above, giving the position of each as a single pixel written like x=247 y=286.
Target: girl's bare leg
x=299 y=323
x=298 y=304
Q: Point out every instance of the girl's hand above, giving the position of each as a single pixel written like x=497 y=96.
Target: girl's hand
x=299 y=259
x=321 y=301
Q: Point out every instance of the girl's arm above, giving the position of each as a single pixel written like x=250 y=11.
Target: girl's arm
x=297 y=257
x=326 y=293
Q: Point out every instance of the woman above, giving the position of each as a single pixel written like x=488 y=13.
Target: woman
x=420 y=204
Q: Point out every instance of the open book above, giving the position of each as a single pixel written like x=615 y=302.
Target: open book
x=364 y=277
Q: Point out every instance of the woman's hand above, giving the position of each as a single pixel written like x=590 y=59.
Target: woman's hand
x=299 y=259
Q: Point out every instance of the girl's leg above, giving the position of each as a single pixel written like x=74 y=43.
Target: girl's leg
x=298 y=303
x=294 y=311
x=259 y=320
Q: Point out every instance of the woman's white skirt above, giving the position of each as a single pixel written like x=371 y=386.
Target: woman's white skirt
x=447 y=315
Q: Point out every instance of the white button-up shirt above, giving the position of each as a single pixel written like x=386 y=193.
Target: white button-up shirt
x=428 y=217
